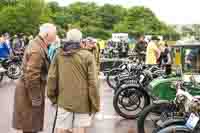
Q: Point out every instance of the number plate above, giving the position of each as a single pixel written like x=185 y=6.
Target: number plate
x=192 y=121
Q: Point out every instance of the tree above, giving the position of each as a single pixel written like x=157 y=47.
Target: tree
x=8 y=22
x=83 y=13
x=96 y=32
x=97 y=21
x=4 y=3
x=196 y=30
x=54 y=7
x=25 y=17
x=141 y=20
x=110 y=15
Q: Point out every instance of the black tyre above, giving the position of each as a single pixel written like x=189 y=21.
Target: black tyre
x=152 y=115
x=14 y=71
x=128 y=102
x=126 y=81
x=175 y=129
x=112 y=78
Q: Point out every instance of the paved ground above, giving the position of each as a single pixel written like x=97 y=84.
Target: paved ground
x=107 y=121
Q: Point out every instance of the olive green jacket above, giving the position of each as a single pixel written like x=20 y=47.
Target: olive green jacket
x=73 y=79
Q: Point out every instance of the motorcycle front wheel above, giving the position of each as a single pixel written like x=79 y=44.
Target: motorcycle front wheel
x=128 y=102
x=14 y=71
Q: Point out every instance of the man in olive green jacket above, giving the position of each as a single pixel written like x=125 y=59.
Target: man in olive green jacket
x=72 y=84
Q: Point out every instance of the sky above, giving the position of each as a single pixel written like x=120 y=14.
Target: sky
x=169 y=11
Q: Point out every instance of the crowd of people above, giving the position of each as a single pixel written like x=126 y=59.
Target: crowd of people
x=69 y=70
x=116 y=49
x=155 y=51
x=10 y=45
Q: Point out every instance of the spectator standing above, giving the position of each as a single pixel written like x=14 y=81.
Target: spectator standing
x=29 y=100
x=153 y=52
x=123 y=49
x=17 y=44
x=141 y=45
x=4 y=48
x=72 y=84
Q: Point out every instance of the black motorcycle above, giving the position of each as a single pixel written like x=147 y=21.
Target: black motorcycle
x=131 y=98
x=12 y=65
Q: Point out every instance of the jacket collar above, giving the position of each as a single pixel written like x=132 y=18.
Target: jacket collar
x=42 y=44
x=43 y=47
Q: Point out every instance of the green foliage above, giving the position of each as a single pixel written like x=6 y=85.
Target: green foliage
x=110 y=15
x=97 y=21
x=141 y=20
x=96 y=32
x=25 y=17
x=54 y=7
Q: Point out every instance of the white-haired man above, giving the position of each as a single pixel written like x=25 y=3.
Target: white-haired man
x=29 y=98
x=72 y=84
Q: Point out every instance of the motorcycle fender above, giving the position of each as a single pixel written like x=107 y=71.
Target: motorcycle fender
x=160 y=101
x=129 y=86
x=136 y=86
x=171 y=122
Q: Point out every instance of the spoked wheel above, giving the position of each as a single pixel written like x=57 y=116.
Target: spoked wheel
x=14 y=71
x=153 y=115
x=129 y=102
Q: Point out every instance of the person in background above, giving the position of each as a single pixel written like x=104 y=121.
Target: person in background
x=192 y=59
x=165 y=58
x=72 y=85
x=110 y=48
x=5 y=51
x=123 y=49
x=22 y=40
x=140 y=48
x=26 y=40
x=141 y=45
x=153 y=51
x=7 y=38
x=17 y=44
x=164 y=55
x=29 y=100
x=92 y=45
x=8 y=43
